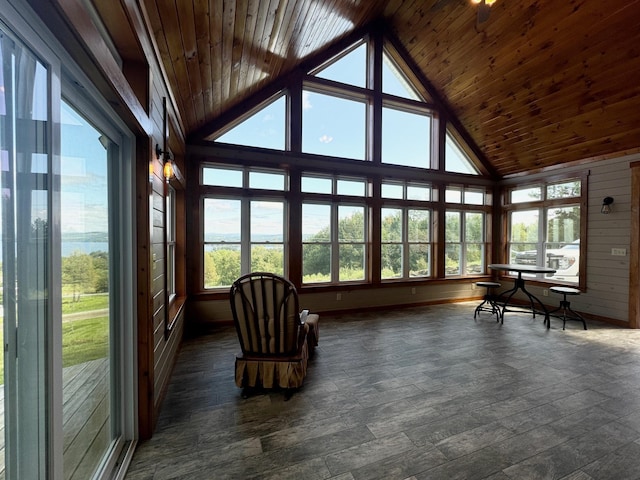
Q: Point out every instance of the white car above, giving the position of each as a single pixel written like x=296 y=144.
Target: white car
x=566 y=261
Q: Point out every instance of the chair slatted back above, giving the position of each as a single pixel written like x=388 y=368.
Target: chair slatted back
x=266 y=314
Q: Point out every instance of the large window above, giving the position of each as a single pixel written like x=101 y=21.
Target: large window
x=406 y=138
x=465 y=230
x=545 y=222
x=326 y=133
x=265 y=128
x=334 y=233
x=333 y=110
x=242 y=234
x=360 y=192
x=465 y=244
x=405 y=232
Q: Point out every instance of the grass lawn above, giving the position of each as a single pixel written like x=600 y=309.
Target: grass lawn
x=85 y=303
x=82 y=340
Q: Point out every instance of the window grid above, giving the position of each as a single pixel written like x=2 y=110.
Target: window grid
x=242 y=233
x=465 y=243
x=544 y=226
x=337 y=252
x=407 y=158
x=171 y=242
x=405 y=243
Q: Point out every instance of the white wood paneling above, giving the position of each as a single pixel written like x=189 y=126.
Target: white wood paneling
x=607 y=292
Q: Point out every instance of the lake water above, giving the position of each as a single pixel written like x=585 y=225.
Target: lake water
x=85 y=247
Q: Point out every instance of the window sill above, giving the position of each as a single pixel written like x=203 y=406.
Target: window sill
x=176 y=306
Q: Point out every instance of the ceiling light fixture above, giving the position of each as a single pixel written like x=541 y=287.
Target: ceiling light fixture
x=484 y=8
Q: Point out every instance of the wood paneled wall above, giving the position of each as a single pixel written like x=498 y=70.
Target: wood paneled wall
x=158 y=358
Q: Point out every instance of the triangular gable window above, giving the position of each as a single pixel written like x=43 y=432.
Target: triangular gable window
x=394 y=81
x=265 y=128
x=456 y=160
x=335 y=120
x=350 y=68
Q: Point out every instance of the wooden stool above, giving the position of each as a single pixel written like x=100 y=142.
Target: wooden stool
x=565 y=306
x=489 y=303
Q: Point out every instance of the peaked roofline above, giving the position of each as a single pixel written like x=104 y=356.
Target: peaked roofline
x=380 y=33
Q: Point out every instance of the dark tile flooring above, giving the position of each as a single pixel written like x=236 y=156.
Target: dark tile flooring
x=420 y=393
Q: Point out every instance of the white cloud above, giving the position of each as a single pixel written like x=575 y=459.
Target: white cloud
x=306 y=101
x=326 y=139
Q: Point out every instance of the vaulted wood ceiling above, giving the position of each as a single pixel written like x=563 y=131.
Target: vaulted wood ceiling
x=538 y=84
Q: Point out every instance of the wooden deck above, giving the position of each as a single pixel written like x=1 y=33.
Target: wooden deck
x=85 y=418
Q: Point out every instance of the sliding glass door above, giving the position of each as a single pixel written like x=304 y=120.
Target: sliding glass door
x=89 y=373
x=66 y=272
x=25 y=209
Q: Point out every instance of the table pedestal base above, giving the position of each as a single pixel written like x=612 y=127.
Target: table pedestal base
x=533 y=301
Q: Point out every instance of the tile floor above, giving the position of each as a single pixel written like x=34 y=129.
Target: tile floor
x=420 y=393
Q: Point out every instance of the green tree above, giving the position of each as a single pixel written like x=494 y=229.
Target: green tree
x=265 y=259
x=419 y=235
x=351 y=250
x=211 y=277
x=77 y=273
x=452 y=239
x=564 y=190
x=564 y=225
x=473 y=235
x=227 y=265
x=316 y=256
x=391 y=255
x=316 y=261
x=101 y=271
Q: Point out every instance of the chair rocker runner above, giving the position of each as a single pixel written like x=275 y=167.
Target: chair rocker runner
x=276 y=337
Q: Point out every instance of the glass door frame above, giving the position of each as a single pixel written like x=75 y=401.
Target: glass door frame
x=64 y=77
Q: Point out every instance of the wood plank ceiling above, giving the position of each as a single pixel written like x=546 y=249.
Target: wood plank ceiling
x=540 y=83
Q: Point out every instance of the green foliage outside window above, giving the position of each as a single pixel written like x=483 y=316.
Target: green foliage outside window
x=85 y=273
x=471 y=234
x=395 y=247
x=221 y=267
x=316 y=257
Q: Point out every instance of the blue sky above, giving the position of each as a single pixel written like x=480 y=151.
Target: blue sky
x=83 y=167
x=335 y=126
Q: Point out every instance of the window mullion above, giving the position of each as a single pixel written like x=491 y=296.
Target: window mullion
x=406 y=264
x=335 y=247
x=245 y=239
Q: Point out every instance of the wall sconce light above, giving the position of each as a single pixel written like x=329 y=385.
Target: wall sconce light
x=606 y=205
x=167 y=169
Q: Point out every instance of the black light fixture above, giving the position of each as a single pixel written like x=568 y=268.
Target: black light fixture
x=606 y=205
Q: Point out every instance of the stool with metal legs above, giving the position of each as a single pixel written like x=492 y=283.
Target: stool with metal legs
x=564 y=311
x=488 y=303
